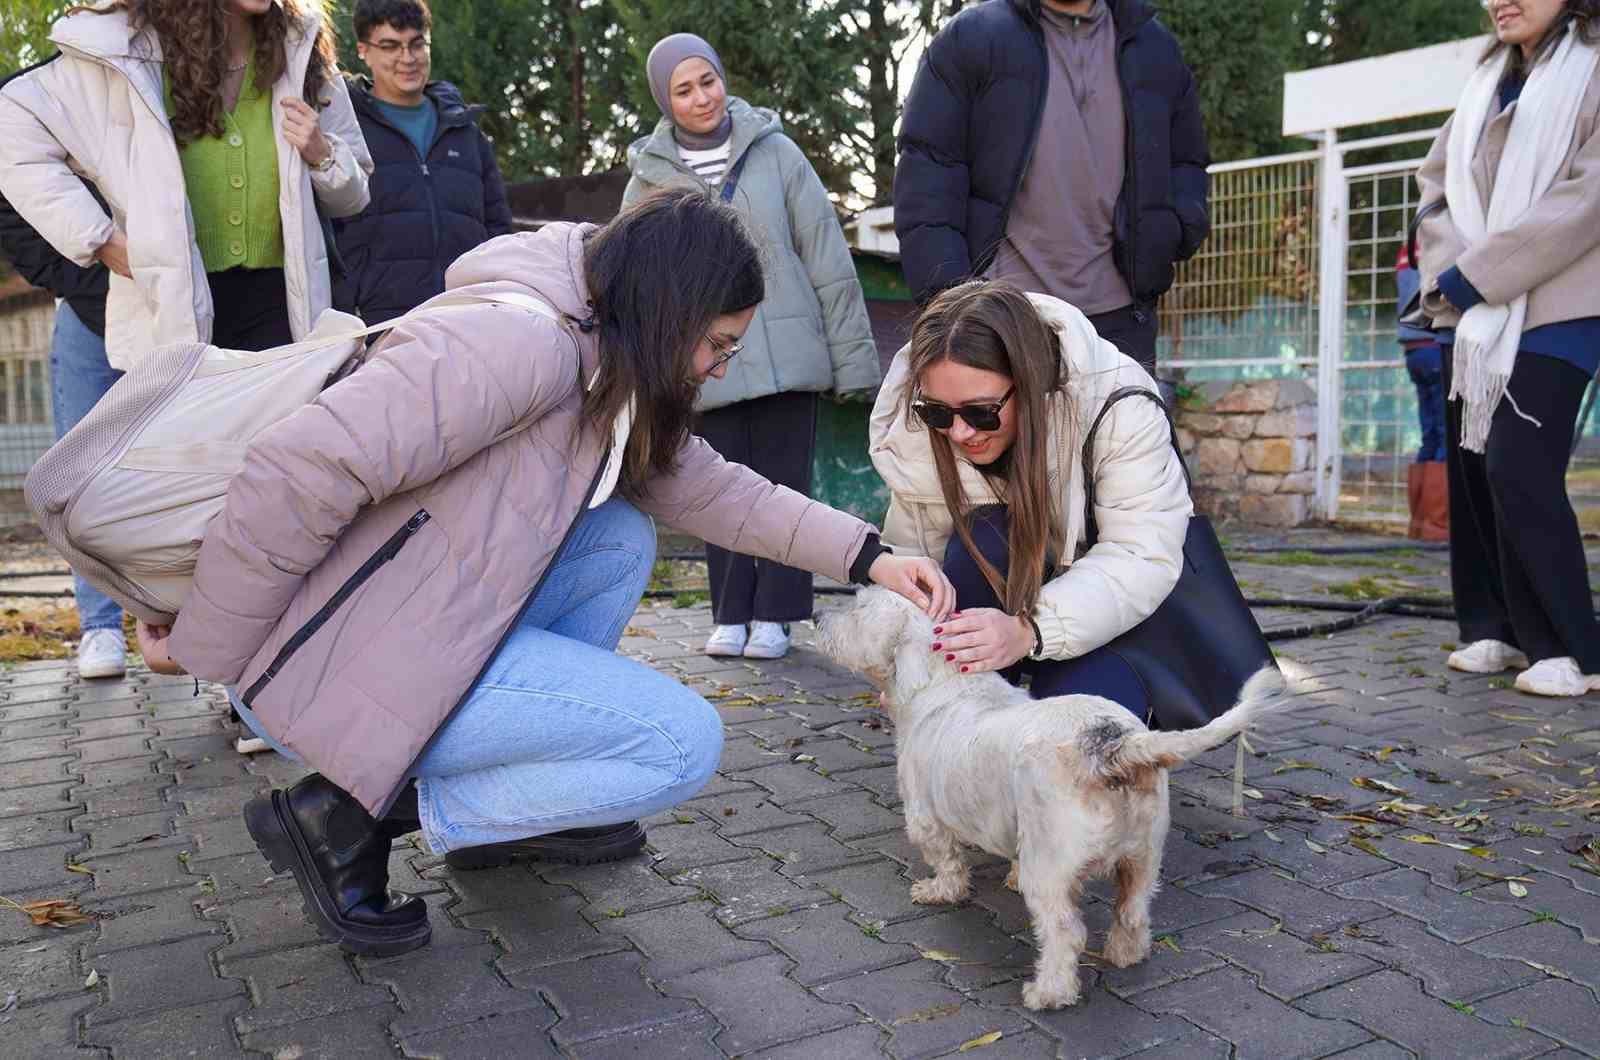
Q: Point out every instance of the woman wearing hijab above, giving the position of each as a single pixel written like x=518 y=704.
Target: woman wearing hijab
x=810 y=335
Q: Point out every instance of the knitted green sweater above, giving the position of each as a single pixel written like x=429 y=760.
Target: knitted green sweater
x=232 y=182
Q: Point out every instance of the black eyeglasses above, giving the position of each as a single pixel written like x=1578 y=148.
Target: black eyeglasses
x=724 y=354
x=980 y=417
x=418 y=46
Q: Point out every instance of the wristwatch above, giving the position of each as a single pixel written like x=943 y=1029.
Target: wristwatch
x=325 y=165
x=1038 y=639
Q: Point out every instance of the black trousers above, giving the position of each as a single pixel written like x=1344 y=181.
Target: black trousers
x=1517 y=567
x=1133 y=330
x=1097 y=673
x=775 y=437
x=251 y=308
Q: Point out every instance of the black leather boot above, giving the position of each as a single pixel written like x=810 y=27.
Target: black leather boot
x=340 y=858
x=574 y=846
x=403 y=817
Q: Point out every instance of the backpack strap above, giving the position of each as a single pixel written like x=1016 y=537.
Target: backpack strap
x=1090 y=528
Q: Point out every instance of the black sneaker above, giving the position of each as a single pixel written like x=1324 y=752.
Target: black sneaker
x=575 y=846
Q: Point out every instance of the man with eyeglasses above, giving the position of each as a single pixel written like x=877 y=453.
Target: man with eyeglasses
x=436 y=188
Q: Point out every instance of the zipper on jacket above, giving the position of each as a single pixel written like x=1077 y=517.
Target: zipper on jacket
x=1130 y=184
x=386 y=552
x=1027 y=154
x=533 y=594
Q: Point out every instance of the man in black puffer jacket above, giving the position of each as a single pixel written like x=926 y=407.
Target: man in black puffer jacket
x=1057 y=144
x=436 y=188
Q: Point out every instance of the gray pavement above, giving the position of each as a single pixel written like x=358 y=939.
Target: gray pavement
x=1410 y=879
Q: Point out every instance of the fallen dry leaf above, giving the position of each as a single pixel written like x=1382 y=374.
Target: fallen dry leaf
x=980 y=1041
x=1316 y=848
x=1378 y=785
x=1255 y=933
x=1517 y=890
x=52 y=912
x=73 y=866
x=1512 y=717
x=92 y=979
x=1251 y=793
x=1364 y=846
x=1294 y=764
x=939 y=955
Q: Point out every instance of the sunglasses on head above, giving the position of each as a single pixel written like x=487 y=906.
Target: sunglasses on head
x=980 y=417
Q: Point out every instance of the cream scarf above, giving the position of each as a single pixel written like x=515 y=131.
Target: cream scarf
x=1541 y=134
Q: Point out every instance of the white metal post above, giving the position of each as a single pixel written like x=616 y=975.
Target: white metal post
x=1334 y=198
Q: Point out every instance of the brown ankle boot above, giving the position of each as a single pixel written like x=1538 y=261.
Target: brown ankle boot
x=1435 y=501
x=1414 y=499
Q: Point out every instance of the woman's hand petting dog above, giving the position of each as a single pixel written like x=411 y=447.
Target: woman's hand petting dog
x=983 y=638
x=918 y=579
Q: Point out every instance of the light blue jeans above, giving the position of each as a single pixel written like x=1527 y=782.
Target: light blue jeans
x=561 y=731
x=80 y=375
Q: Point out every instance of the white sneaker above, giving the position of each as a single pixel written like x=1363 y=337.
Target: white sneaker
x=1556 y=677
x=726 y=641
x=103 y=653
x=251 y=745
x=768 y=640
x=1487 y=657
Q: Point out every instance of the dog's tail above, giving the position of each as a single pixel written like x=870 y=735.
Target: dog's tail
x=1124 y=758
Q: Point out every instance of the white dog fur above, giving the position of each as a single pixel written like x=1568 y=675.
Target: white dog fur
x=1071 y=788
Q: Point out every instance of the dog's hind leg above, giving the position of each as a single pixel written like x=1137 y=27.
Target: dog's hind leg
x=1050 y=887
x=950 y=881
x=1128 y=941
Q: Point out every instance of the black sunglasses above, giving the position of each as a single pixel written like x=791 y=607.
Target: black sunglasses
x=941 y=417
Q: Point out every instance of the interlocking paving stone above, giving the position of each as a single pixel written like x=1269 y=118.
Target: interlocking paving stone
x=547 y=931
x=148 y=916
x=749 y=890
x=444 y=988
x=878 y=890
x=300 y=984
x=682 y=939
x=826 y=945
x=186 y=978
x=1545 y=854
x=985 y=955
x=268 y=921
x=1100 y=1024
x=758 y=1005
x=359 y=1035
x=748 y=754
x=1563 y=1011
x=38 y=798
x=201 y=1032
x=41 y=967
x=924 y=1016
x=1375 y=1050
x=685 y=846
x=686 y=1040
x=112 y=749
x=40 y=771
x=1304 y=910
x=148 y=867
x=1227 y=1003
x=122 y=831
x=46 y=1030
x=1284 y=966
x=37 y=829
x=604 y=996
x=629 y=884
x=29 y=869
x=1546 y=945
x=511 y=887
x=496 y=1036
x=13 y=751
x=791 y=782
x=854 y=815
x=1447 y=971
x=803 y=849
x=1394 y=1007
x=1454 y=917
x=1196 y=1046
x=854 y=1042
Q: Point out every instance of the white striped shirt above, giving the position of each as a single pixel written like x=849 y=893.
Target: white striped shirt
x=710 y=165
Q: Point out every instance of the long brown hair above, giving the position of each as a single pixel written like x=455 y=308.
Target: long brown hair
x=659 y=274
x=1581 y=15
x=193 y=36
x=991 y=325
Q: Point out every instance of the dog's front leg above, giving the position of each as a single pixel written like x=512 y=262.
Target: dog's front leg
x=940 y=849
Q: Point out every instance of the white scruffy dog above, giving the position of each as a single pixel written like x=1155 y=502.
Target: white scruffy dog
x=1071 y=788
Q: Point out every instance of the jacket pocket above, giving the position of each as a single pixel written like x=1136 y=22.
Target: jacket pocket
x=385 y=553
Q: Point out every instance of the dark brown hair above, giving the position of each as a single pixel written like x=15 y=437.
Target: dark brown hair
x=1584 y=13
x=991 y=325
x=658 y=275
x=193 y=36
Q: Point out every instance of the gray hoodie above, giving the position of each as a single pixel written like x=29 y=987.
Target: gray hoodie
x=811 y=333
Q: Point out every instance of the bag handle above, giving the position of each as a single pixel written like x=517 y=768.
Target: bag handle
x=1091 y=529
x=1411 y=231
x=730 y=181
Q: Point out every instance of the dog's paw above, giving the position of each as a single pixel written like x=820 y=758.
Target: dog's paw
x=938 y=891
x=1011 y=878
x=1125 y=946
x=1038 y=994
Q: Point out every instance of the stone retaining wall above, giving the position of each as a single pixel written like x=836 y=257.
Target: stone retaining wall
x=1251 y=448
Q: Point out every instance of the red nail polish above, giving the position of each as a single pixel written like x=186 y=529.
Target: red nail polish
x=963 y=669
x=951 y=658
x=938 y=629
x=937 y=646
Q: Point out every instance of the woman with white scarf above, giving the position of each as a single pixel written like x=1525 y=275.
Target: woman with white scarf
x=1511 y=267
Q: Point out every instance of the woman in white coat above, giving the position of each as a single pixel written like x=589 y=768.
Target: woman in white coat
x=978 y=432
x=215 y=130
